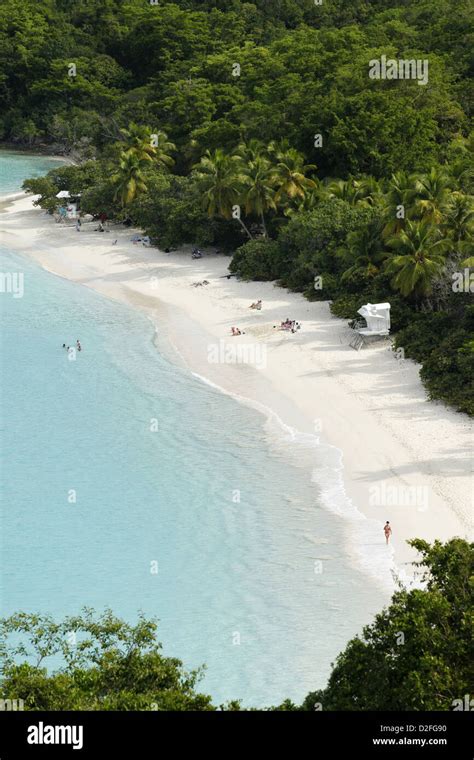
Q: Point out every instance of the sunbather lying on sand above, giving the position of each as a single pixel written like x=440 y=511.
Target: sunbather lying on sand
x=236 y=331
x=289 y=324
x=256 y=305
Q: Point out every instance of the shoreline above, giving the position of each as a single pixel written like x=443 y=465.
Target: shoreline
x=394 y=445
x=38 y=150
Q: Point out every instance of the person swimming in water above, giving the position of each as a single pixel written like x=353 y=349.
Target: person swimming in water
x=78 y=345
x=387 y=529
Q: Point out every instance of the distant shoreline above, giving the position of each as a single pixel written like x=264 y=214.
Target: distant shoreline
x=43 y=150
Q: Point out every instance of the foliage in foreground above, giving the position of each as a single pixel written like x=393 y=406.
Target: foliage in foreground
x=103 y=664
x=417 y=655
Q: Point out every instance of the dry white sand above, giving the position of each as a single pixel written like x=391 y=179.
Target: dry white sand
x=405 y=459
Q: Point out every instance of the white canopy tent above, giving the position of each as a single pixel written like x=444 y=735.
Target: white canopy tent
x=67 y=194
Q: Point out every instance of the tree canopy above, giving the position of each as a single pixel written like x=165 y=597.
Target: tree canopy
x=419 y=650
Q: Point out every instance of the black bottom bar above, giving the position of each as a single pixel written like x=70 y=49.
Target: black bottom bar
x=424 y=735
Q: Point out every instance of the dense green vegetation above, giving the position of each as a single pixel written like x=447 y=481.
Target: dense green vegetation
x=418 y=652
x=255 y=127
x=105 y=664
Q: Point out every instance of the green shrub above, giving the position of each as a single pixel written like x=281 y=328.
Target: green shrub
x=423 y=335
x=346 y=306
x=257 y=260
x=323 y=289
x=449 y=371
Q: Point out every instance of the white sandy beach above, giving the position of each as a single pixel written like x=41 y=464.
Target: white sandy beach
x=405 y=459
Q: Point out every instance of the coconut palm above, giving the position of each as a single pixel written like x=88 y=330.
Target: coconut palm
x=129 y=179
x=367 y=191
x=433 y=191
x=148 y=145
x=401 y=194
x=462 y=171
x=365 y=249
x=459 y=220
x=461 y=164
x=345 y=190
x=250 y=151
x=259 y=189
x=163 y=148
x=311 y=198
x=221 y=180
x=136 y=138
x=459 y=227
x=290 y=176
x=277 y=148
x=419 y=258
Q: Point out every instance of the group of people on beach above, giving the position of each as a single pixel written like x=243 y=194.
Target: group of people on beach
x=289 y=325
x=69 y=348
x=100 y=228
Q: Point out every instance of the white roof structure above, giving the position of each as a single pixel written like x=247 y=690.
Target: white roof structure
x=63 y=194
x=377 y=316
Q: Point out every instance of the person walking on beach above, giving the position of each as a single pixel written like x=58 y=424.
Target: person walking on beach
x=387 y=529
x=78 y=225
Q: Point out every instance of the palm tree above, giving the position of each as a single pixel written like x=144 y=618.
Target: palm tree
x=433 y=195
x=345 y=190
x=419 y=260
x=364 y=192
x=259 y=188
x=251 y=150
x=461 y=164
x=367 y=191
x=311 y=198
x=462 y=171
x=401 y=193
x=365 y=249
x=290 y=176
x=163 y=147
x=459 y=220
x=137 y=139
x=278 y=148
x=148 y=146
x=129 y=178
x=221 y=181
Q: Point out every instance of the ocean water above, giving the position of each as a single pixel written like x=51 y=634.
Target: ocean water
x=128 y=483
x=16 y=166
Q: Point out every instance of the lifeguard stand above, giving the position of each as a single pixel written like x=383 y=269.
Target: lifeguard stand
x=377 y=321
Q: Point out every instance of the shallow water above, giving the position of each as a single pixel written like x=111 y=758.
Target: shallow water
x=16 y=166
x=118 y=464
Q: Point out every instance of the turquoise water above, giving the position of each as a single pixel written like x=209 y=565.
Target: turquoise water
x=16 y=166
x=95 y=499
